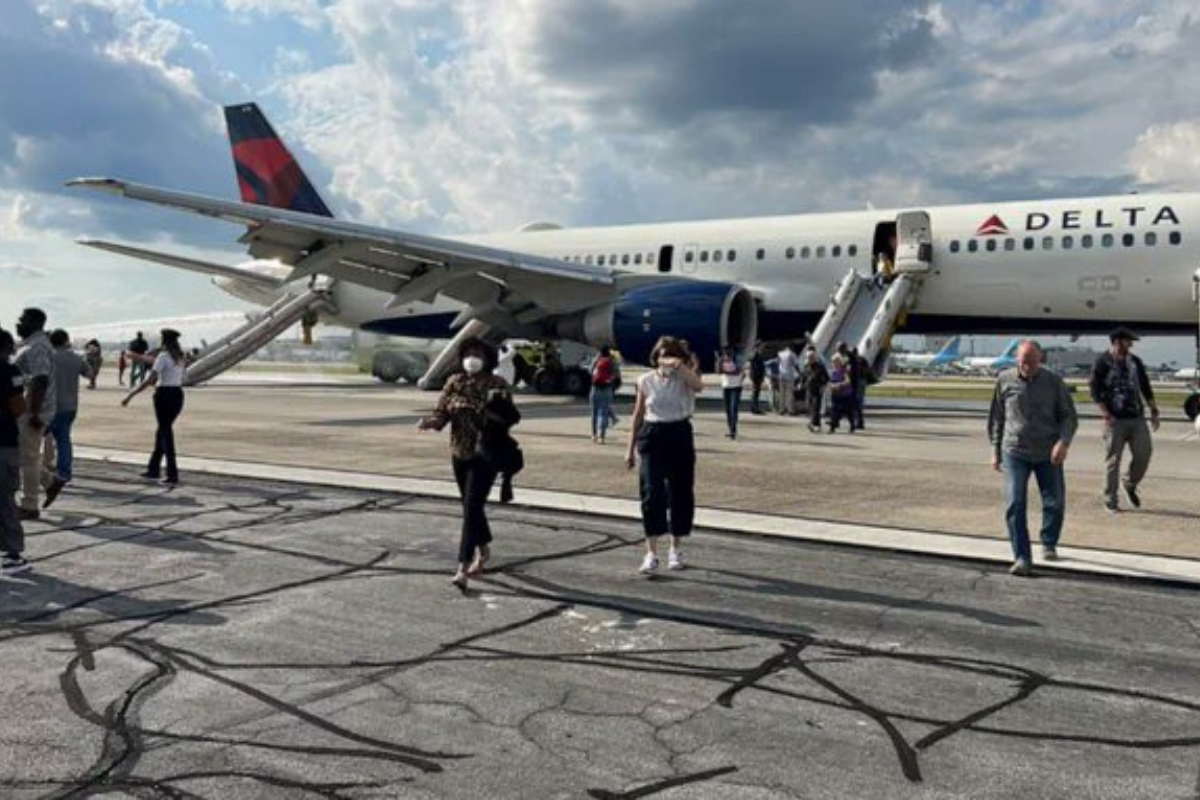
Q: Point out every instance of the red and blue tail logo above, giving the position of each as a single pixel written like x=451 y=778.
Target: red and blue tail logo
x=267 y=174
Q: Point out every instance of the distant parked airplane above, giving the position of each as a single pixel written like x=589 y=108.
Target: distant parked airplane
x=942 y=358
x=1005 y=360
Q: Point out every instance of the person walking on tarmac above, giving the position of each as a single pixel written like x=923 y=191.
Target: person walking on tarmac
x=167 y=375
x=814 y=378
x=137 y=350
x=1121 y=389
x=730 y=368
x=12 y=407
x=59 y=452
x=604 y=377
x=464 y=405
x=1031 y=424
x=758 y=376
x=36 y=361
x=662 y=439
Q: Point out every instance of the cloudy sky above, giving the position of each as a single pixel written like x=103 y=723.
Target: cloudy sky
x=476 y=115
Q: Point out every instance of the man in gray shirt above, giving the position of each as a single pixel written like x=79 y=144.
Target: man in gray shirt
x=1031 y=425
x=36 y=362
x=69 y=367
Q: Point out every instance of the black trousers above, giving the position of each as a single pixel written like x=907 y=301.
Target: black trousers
x=755 y=394
x=815 y=397
x=667 y=477
x=475 y=478
x=168 y=404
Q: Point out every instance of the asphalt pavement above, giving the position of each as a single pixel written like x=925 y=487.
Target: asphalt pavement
x=243 y=639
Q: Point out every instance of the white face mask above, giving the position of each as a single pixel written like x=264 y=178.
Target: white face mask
x=473 y=364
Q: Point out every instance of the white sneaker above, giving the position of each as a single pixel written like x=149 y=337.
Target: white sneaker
x=675 y=559
x=649 y=564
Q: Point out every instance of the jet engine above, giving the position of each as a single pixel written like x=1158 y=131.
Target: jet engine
x=709 y=315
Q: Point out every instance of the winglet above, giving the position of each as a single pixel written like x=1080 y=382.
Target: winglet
x=111 y=185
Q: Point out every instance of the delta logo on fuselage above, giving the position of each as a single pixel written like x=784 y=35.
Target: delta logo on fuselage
x=1077 y=219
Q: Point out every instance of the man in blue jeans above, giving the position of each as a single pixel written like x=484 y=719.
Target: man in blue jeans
x=1031 y=425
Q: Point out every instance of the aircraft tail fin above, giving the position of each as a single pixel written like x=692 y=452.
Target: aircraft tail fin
x=1011 y=349
x=950 y=351
x=267 y=173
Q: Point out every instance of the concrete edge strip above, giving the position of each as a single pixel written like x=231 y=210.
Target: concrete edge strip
x=1075 y=559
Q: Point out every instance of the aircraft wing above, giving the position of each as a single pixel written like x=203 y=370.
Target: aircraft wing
x=503 y=287
x=185 y=263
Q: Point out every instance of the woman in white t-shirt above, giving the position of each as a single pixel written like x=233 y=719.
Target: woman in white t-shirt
x=662 y=439
x=729 y=367
x=167 y=375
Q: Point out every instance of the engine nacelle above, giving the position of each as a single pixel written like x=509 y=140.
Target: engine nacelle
x=709 y=315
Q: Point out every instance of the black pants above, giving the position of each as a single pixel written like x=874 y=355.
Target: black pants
x=668 y=477
x=168 y=403
x=755 y=394
x=733 y=404
x=843 y=408
x=475 y=478
x=815 y=398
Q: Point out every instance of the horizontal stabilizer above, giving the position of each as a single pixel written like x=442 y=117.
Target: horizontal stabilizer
x=183 y=262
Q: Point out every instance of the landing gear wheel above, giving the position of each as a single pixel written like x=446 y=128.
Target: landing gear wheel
x=577 y=382
x=1191 y=406
x=387 y=368
x=545 y=381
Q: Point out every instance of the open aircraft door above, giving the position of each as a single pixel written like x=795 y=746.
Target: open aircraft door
x=914 y=243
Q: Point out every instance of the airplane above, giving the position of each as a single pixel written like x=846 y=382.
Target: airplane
x=1076 y=266
x=916 y=361
x=990 y=364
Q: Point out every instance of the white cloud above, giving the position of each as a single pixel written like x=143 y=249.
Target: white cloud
x=1168 y=156
x=14 y=271
x=306 y=12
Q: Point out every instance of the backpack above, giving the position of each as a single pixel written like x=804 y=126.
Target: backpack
x=603 y=373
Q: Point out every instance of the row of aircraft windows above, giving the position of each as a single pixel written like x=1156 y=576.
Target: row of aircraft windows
x=716 y=256
x=1086 y=242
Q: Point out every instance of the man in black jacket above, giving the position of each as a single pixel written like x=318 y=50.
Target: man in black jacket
x=1121 y=389
x=814 y=378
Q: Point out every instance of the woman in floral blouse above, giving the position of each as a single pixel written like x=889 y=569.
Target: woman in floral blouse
x=462 y=405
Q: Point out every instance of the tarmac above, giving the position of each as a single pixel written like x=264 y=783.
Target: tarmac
x=244 y=638
x=282 y=623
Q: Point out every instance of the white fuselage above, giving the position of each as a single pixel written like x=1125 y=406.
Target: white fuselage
x=1056 y=266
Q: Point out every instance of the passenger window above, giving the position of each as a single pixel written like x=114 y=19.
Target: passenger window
x=1010 y=244
x=588 y=260
x=1068 y=242
x=637 y=258
x=689 y=256
x=973 y=246
x=600 y=261
x=1047 y=242
x=805 y=252
x=716 y=255
x=1086 y=241
x=1028 y=243
x=650 y=258
x=1151 y=239
x=703 y=256
x=612 y=259
x=731 y=255
x=1107 y=240
x=1128 y=239
x=625 y=259
x=821 y=251
x=852 y=250
x=761 y=254
x=789 y=253
x=837 y=251
x=955 y=246
x=1176 y=237
x=991 y=245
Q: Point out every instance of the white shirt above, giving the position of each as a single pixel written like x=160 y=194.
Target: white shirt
x=788 y=366
x=730 y=380
x=668 y=398
x=168 y=371
x=504 y=366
